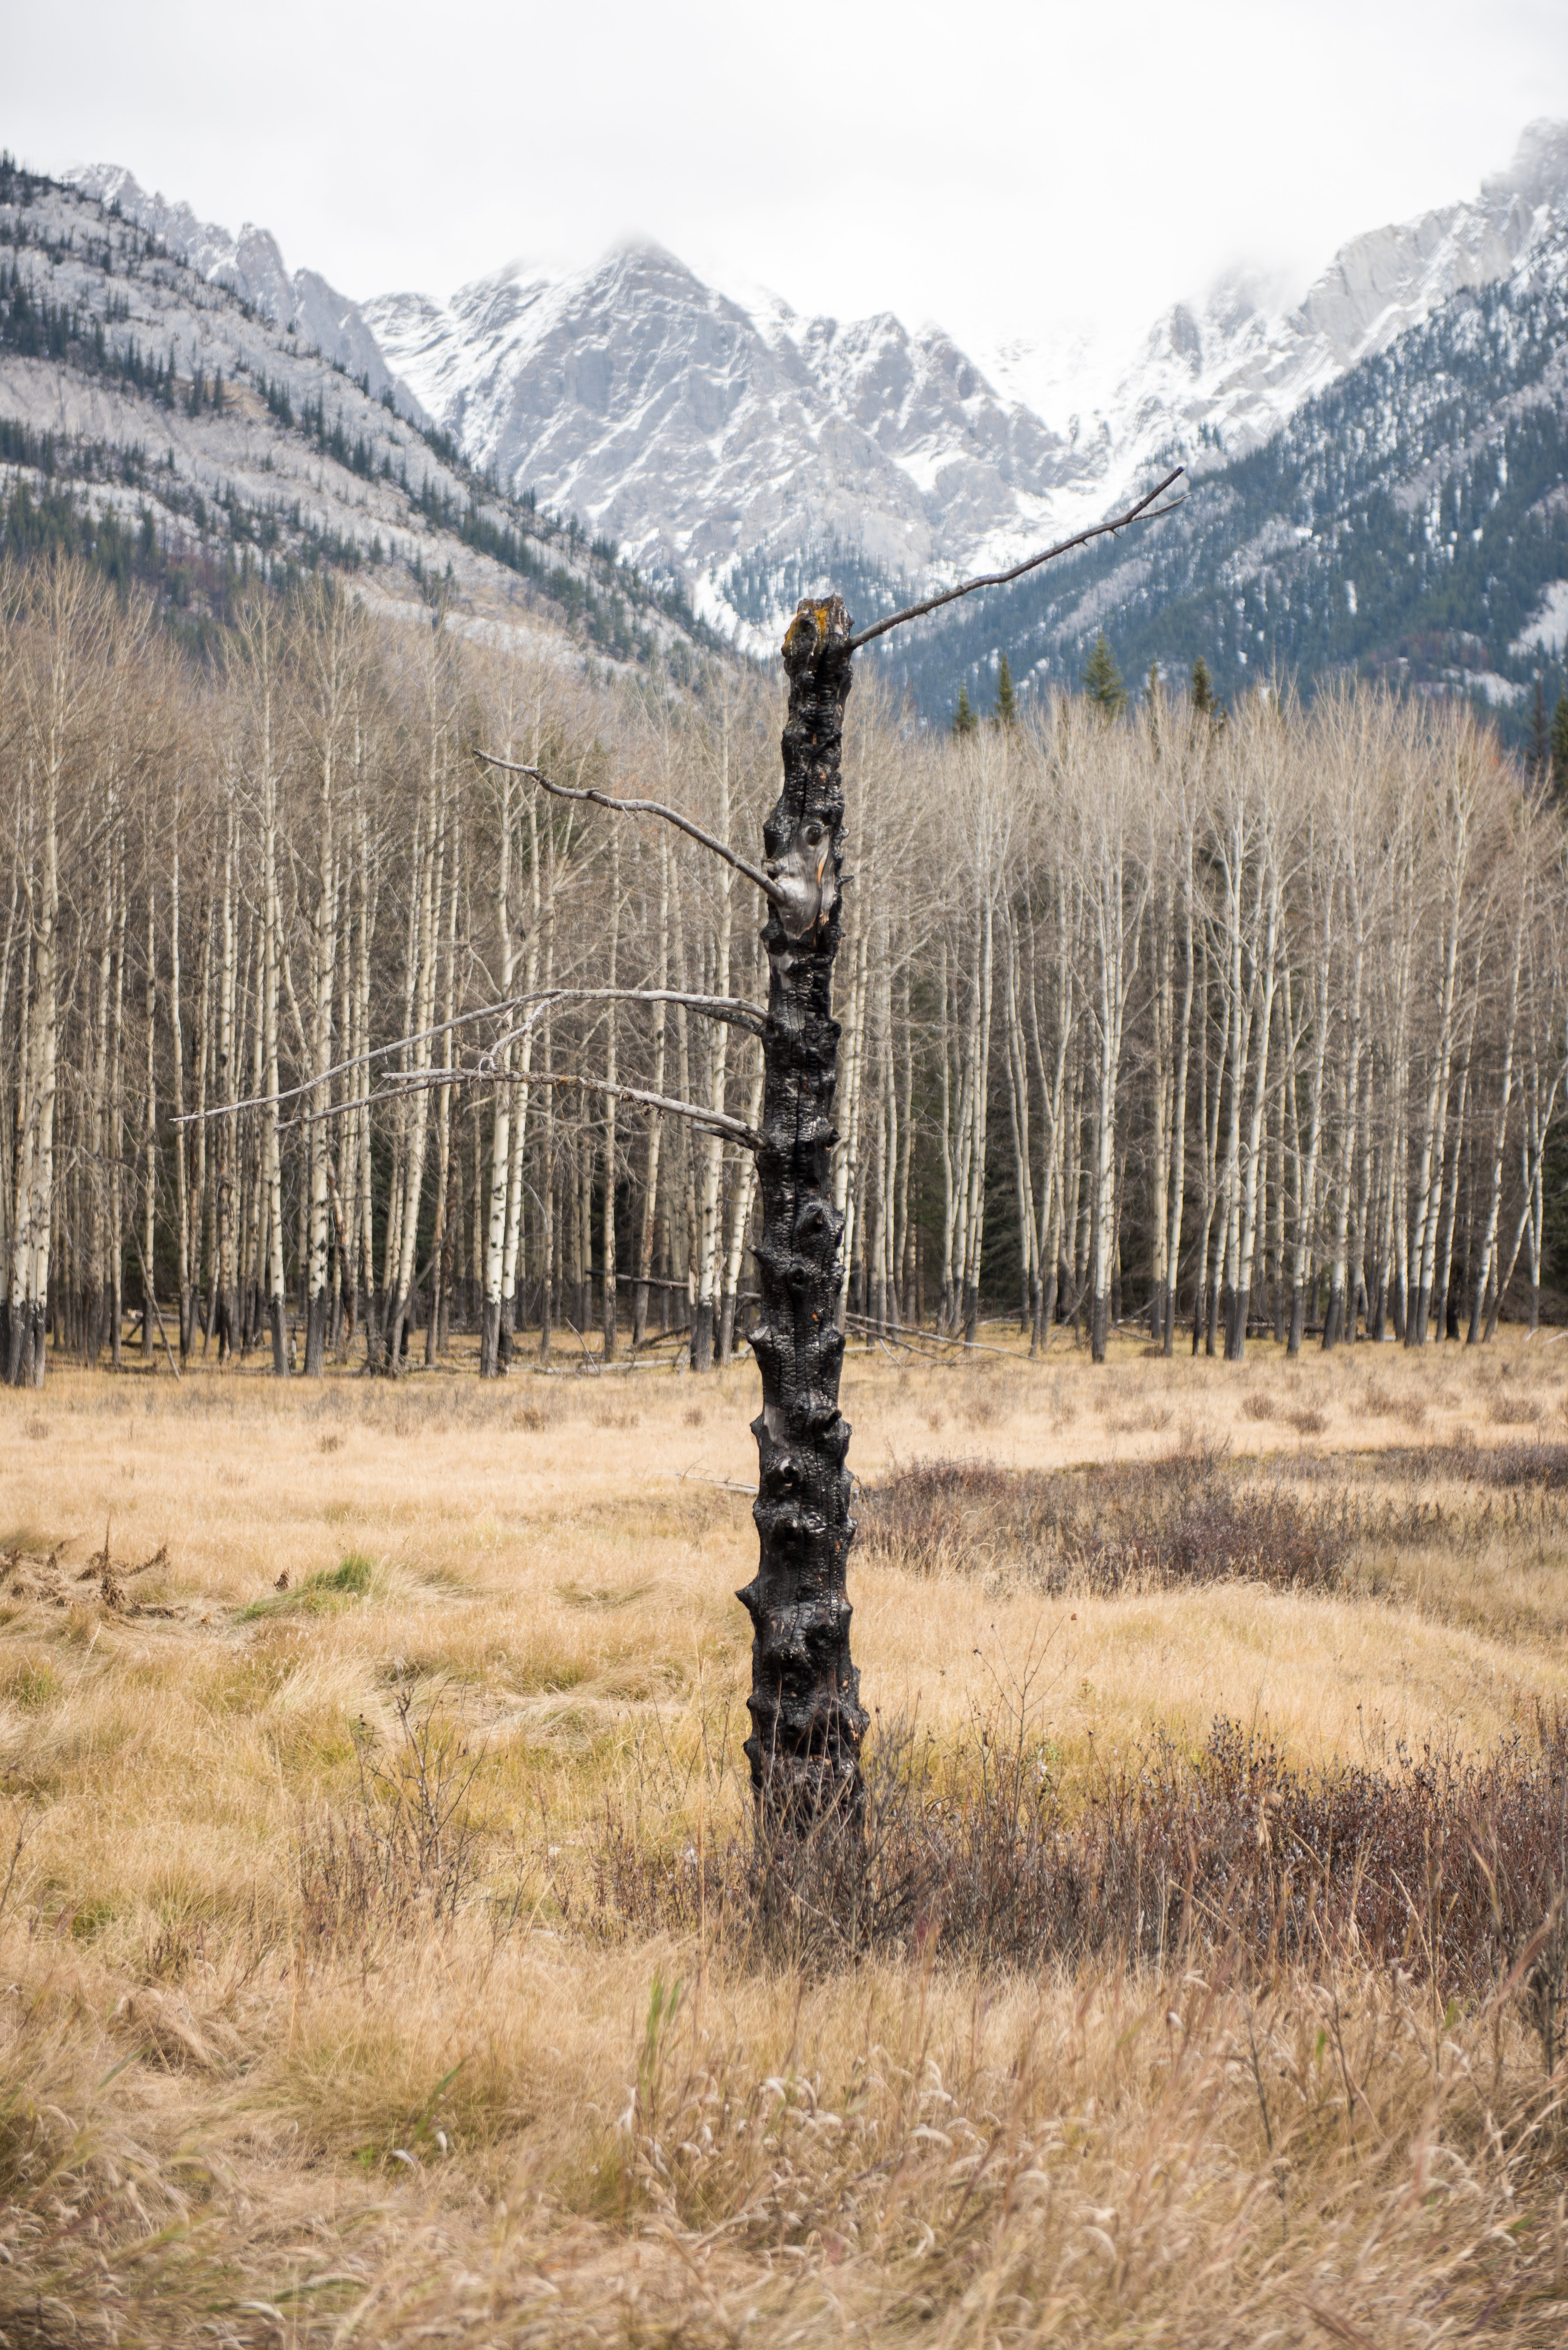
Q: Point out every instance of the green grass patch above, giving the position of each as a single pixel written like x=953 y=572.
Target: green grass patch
x=330 y=1587
x=31 y=1683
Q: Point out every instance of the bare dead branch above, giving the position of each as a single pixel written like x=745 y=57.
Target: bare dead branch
x=340 y=1069
x=765 y=881
x=1145 y=511
x=423 y=1080
x=733 y=1009
x=716 y=1121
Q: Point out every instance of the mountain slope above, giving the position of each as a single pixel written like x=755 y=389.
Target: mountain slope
x=251 y=267
x=1214 y=378
x=742 y=447
x=693 y=430
x=744 y=455
x=156 y=417
x=1409 y=521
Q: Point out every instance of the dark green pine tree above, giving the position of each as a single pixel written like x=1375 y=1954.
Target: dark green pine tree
x=1204 y=695
x=1103 y=679
x=964 y=720
x=1560 y=746
x=1540 y=738
x=1006 y=700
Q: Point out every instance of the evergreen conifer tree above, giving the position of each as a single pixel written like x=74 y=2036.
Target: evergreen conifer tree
x=1204 y=694
x=1006 y=700
x=1560 y=746
x=1103 y=679
x=1539 y=739
x=964 y=720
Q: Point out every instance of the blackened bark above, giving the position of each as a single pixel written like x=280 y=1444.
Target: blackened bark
x=806 y=1718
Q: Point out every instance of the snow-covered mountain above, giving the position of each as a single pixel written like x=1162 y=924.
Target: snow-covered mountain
x=176 y=420
x=1216 y=378
x=697 y=429
x=694 y=429
x=740 y=450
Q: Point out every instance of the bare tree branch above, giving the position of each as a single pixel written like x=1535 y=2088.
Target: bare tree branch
x=339 y=1068
x=1145 y=511
x=733 y=1008
x=398 y=1084
x=765 y=883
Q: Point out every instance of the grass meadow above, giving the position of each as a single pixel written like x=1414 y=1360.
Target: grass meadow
x=384 y=1958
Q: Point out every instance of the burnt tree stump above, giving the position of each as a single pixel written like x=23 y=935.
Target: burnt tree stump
x=807 y=1721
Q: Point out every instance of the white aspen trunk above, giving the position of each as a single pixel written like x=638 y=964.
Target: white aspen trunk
x=547 y=1047
x=612 y=1075
x=430 y=871
x=115 y=1113
x=1487 y=1256
x=945 y=1316
x=655 y=1124
x=847 y=1159
x=1018 y=1104
x=1263 y=1025
x=1450 y=1180
x=271 y=975
x=974 y=1218
x=1179 y=1119
x=501 y=1110
x=1335 y=1316
x=1307 y=1180
x=745 y=1192
x=183 y=1204
x=440 y=1239
x=1428 y=1192
x=149 y=1151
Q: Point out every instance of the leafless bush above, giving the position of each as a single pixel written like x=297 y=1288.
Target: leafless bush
x=1516 y=1410
x=1261 y=1405
x=1450 y=1871
x=407 y=1849
x=1186 y=1518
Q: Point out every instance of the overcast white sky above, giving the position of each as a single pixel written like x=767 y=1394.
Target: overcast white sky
x=1014 y=169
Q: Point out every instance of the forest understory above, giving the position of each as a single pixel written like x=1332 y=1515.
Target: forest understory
x=386 y=1957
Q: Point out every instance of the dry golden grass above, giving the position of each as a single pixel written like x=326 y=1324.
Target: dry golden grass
x=220 y=2116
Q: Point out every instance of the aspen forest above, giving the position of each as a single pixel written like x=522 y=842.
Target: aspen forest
x=326 y=1040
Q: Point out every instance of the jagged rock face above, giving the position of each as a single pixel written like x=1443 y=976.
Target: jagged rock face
x=691 y=429
x=251 y=265
x=695 y=429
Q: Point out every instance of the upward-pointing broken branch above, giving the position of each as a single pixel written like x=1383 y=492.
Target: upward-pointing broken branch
x=1145 y=511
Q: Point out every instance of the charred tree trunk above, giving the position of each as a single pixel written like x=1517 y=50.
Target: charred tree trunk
x=806 y=1718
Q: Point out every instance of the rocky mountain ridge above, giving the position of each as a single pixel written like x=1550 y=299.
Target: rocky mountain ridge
x=160 y=418
x=730 y=443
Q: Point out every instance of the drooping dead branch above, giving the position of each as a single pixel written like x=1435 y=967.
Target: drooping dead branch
x=425 y=1080
x=732 y=1008
x=1146 y=510
x=618 y=807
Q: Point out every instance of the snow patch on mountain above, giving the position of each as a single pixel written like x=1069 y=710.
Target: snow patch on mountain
x=1548 y=626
